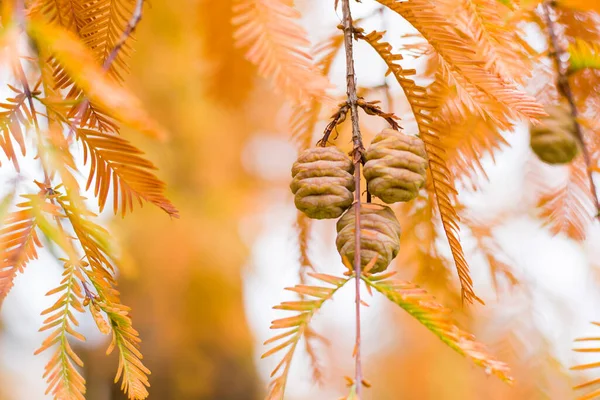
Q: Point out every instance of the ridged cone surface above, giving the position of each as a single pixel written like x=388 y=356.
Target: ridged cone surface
x=380 y=235
x=322 y=182
x=396 y=166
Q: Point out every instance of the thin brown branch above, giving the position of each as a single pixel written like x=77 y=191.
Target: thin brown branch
x=564 y=88
x=135 y=19
x=371 y=108
x=357 y=157
x=337 y=118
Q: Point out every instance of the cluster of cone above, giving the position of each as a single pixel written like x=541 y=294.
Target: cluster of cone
x=323 y=185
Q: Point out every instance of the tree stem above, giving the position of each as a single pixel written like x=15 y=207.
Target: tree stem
x=564 y=88
x=357 y=156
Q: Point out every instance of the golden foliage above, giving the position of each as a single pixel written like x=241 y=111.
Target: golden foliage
x=593 y=394
x=481 y=90
x=18 y=242
x=277 y=45
x=80 y=64
x=15 y=114
x=94 y=242
x=126 y=339
x=64 y=381
x=567 y=207
x=112 y=157
x=496 y=42
x=99 y=25
x=423 y=105
x=496 y=257
x=435 y=317
x=297 y=326
x=105 y=23
x=467 y=139
x=419 y=247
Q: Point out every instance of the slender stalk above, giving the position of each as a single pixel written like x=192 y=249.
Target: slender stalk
x=564 y=88
x=357 y=156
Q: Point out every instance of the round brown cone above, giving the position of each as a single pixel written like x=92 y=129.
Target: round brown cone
x=323 y=182
x=553 y=140
x=379 y=232
x=396 y=166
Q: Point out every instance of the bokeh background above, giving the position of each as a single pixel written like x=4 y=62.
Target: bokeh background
x=202 y=287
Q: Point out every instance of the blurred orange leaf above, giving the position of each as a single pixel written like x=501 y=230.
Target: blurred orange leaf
x=79 y=63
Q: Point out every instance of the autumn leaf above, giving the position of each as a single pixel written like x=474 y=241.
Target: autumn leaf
x=80 y=64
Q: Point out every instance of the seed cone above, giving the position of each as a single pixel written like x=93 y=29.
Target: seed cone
x=322 y=182
x=396 y=166
x=379 y=235
x=554 y=140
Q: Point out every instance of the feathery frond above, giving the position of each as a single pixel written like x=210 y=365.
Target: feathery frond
x=66 y=13
x=568 y=207
x=112 y=157
x=496 y=42
x=593 y=394
x=435 y=317
x=297 y=326
x=94 y=242
x=467 y=139
x=482 y=90
x=64 y=381
x=18 y=242
x=423 y=105
x=419 y=245
x=277 y=45
x=105 y=23
x=99 y=25
x=583 y=55
x=491 y=250
x=14 y=113
x=126 y=339
x=80 y=65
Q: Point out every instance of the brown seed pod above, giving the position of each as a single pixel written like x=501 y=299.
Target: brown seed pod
x=379 y=235
x=322 y=182
x=396 y=166
x=554 y=140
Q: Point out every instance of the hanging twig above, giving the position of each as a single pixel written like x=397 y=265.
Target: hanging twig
x=371 y=108
x=564 y=88
x=337 y=118
x=357 y=157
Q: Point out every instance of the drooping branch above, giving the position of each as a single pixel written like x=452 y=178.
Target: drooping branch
x=357 y=156
x=564 y=88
